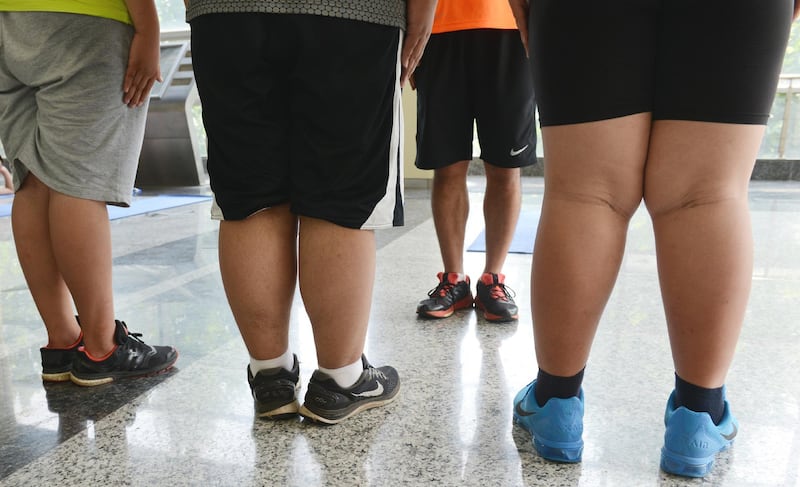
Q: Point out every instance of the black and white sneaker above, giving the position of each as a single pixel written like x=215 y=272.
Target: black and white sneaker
x=275 y=391
x=131 y=358
x=326 y=402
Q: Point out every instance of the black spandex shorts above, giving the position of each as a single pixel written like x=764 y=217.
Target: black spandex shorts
x=301 y=109
x=472 y=77
x=701 y=60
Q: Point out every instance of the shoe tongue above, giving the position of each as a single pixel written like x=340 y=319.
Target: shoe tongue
x=450 y=277
x=490 y=279
x=121 y=333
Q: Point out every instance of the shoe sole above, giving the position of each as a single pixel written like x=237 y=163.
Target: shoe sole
x=89 y=382
x=493 y=317
x=684 y=466
x=446 y=313
x=317 y=418
x=56 y=377
x=287 y=411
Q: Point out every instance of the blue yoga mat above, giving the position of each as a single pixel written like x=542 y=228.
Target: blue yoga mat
x=524 y=235
x=139 y=206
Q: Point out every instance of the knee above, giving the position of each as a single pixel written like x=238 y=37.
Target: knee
x=624 y=206
x=502 y=177
x=662 y=203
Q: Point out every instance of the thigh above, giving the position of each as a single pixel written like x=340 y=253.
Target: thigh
x=445 y=110
x=693 y=163
x=719 y=60
x=599 y=162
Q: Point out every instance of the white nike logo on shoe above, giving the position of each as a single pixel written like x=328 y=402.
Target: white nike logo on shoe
x=373 y=393
x=515 y=153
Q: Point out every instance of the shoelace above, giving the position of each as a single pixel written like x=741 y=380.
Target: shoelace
x=501 y=292
x=134 y=335
x=374 y=373
x=442 y=289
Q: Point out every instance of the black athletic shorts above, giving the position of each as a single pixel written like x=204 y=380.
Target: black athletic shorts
x=472 y=77
x=304 y=110
x=701 y=60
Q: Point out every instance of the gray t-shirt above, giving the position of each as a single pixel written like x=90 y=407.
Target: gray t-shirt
x=384 y=12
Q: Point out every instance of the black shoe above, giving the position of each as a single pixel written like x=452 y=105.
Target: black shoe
x=327 y=402
x=495 y=299
x=275 y=391
x=443 y=300
x=57 y=362
x=131 y=358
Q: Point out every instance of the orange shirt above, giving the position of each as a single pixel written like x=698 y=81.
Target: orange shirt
x=472 y=14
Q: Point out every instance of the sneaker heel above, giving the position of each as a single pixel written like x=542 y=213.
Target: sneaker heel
x=678 y=465
x=564 y=454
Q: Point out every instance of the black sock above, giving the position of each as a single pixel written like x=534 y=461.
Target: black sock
x=699 y=399
x=549 y=386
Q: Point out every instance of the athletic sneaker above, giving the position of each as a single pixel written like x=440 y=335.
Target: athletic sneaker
x=692 y=440
x=326 y=402
x=131 y=358
x=275 y=391
x=556 y=428
x=443 y=300
x=57 y=362
x=495 y=299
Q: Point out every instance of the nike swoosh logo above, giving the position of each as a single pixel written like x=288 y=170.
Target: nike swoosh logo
x=515 y=153
x=373 y=393
x=521 y=412
x=731 y=436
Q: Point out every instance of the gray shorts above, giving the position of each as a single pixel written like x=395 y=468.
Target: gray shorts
x=61 y=112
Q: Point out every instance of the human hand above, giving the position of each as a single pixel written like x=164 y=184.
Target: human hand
x=796 y=9
x=520 y=10
x=420 y=22
x=143 y=68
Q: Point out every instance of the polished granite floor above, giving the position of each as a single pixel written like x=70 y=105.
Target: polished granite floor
x=452 y=422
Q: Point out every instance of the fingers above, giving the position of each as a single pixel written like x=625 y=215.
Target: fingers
x=137 y=87
x=413 y=48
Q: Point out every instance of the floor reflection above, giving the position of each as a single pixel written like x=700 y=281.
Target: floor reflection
x=451 y=424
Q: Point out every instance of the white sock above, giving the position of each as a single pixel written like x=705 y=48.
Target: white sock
x=286 y=361
x=346 y=376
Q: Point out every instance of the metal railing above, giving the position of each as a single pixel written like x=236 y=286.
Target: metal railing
x=788 y=89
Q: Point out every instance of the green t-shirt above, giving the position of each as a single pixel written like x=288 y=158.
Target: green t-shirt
x=110 y=9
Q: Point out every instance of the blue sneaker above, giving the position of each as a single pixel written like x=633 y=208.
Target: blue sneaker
x=692 y=440
x=556 y=428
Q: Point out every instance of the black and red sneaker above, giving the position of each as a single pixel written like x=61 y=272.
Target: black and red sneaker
x=443 y=300
x=495 y=299
x=131 y=358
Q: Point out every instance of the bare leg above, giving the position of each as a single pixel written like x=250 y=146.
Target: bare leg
x=593 y=185
x=258 y=264
x=696 y=193
x=337 y=273
x=64 y=248
x=450 y=204
x=501 y=206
